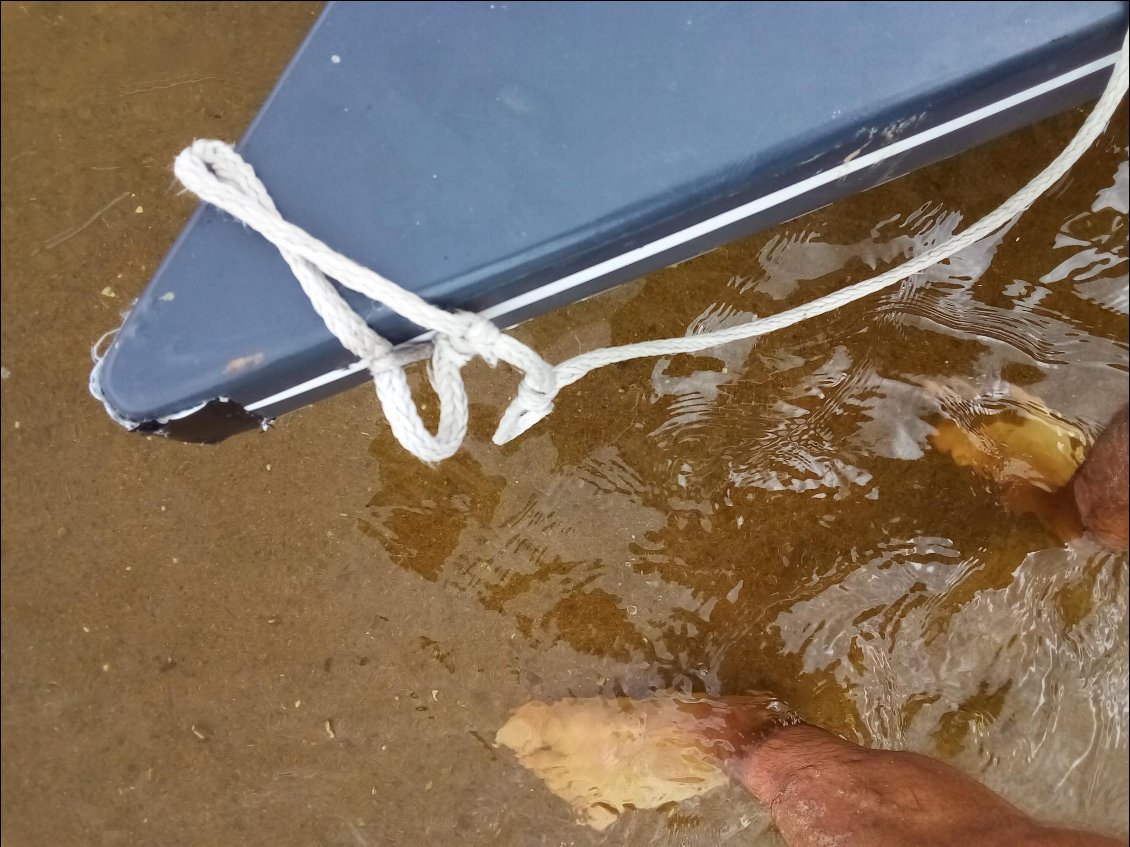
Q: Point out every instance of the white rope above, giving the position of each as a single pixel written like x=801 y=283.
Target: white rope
x=218 y=175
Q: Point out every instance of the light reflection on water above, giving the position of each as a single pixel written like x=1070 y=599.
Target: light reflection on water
x=772 y=514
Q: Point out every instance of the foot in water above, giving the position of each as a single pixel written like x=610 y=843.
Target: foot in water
x=1099 y=487
x=822 y=790
x=1036 y=459
x=605 y=756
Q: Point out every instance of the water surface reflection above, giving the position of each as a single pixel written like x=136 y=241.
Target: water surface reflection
x=772 y=513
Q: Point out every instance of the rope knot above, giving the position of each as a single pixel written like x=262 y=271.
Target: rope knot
x=533 y=400
x=474 y=336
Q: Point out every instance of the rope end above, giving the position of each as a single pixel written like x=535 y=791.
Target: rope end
x=515 y=422
x=527 y=408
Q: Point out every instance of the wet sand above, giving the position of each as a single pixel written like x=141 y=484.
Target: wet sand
x=306 y=637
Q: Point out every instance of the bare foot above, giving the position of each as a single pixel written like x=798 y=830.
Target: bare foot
x=1038 y=463
x=822 y=791
x=1100 y=485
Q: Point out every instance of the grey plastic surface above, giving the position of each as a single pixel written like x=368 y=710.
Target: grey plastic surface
x=476 y=151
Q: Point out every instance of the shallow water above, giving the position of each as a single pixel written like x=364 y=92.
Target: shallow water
x=308 y=637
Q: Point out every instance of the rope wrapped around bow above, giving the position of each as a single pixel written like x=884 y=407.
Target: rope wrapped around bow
x=217 y=174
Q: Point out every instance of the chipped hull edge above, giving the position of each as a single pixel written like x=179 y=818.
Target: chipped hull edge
x=206 y=422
